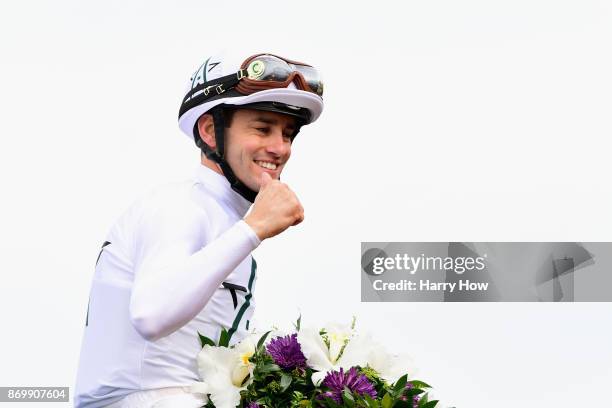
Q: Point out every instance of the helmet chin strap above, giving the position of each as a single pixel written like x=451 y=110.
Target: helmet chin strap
x=218 y=156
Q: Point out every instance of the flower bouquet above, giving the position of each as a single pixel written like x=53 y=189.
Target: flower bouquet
x=309 y=368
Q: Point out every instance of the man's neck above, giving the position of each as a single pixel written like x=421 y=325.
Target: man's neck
x=210 y=164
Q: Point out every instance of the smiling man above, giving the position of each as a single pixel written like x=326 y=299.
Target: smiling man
x=179 y=262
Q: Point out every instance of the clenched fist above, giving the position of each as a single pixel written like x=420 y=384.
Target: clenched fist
x=275 y=209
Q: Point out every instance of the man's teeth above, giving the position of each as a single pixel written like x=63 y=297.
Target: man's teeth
x=266 y=165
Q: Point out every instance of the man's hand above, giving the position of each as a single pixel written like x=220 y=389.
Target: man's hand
x=275 y=209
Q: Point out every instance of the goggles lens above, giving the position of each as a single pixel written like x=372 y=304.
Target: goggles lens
x=272 y=68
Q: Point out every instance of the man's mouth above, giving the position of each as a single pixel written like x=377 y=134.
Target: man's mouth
x=266 y=164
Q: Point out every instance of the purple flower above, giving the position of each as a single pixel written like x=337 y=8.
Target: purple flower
x=253 y=405
x=415 y=399
x=286 y=352
x=355 y=382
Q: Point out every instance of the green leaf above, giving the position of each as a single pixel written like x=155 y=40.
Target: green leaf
x=372 y=403
x=423 y=401
x=348 y=395
x=262 y=339
x=285 y=381
x=431 y=404
x=205 y=340
x=387 y=401
x=330 y=403
x=224 y=338
x=400 y=384
x=419 y=384
x=347 y=398
x=298 y=323
x=268 y=368
x=411 y=392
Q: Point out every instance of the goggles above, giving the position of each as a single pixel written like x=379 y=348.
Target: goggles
x=258 y=73
x=267 y=71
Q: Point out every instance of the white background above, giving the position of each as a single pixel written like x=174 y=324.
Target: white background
x=444 y=121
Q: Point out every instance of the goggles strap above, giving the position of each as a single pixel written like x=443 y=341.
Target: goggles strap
x=209 y=89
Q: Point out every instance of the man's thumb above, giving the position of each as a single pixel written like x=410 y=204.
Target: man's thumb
x=265 y=180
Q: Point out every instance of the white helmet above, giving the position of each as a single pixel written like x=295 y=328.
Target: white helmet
x=266 y=76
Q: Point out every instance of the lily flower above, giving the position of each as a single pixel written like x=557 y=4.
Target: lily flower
x=338 y=348
x=341 y=348
x=225 y=372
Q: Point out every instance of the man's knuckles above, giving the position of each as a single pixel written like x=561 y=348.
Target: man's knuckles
x=299 y=213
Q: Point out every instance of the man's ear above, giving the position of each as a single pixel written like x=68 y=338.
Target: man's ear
x=206 y=128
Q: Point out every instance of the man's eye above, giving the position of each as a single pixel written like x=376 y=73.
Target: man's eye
x=264 y=130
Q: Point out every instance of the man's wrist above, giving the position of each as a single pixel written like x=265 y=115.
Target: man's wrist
x=256 y=227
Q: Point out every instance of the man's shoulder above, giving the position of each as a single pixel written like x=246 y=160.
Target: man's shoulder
x=166 y=194
x=172 y=198
x=169 y=203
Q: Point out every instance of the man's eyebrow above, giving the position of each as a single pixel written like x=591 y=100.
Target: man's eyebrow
x=270 y=121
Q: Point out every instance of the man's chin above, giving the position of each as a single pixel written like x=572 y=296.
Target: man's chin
x=254 y=185
x=275 y=175
x=254 y=182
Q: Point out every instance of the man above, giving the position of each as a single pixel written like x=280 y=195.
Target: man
x=178 y=261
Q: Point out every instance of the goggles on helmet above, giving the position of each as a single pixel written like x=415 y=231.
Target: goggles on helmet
x=258 y=73
x=267 y=71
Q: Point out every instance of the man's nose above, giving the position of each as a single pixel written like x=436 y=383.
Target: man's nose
x=278 y=144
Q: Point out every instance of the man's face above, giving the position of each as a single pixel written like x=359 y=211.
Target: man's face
x=258 y=142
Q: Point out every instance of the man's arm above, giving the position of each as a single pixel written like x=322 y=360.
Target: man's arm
x=175 y=280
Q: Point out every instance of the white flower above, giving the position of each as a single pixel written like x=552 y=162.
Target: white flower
x=364 y=350
x=223 y=371
x=324 y=359
x=315 y=351
x=338 y=335
x=360 y=350
x=390 y=367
